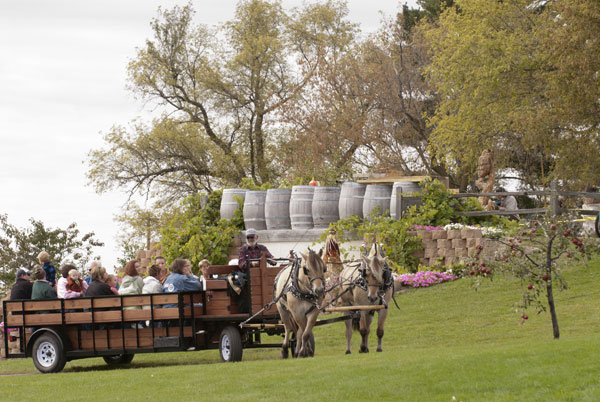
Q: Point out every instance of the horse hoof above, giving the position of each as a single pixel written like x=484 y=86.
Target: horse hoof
x=284 y=354
x=348 y=352
x=363 y=350
x=379 y=350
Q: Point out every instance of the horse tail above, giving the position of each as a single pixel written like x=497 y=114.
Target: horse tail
x=356 y=322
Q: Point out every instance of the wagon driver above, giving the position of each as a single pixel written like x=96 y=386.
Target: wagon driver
x=252 y=251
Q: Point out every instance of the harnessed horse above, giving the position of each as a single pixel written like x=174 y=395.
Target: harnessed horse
x=369 y=283
x=299 y=289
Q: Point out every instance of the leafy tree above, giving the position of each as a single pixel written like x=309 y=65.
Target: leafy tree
x=365 y=108
x=536 y=255
x=503 y=85
x=19 y=247
x=140 y=227
x=196 y=232
x=219 y=89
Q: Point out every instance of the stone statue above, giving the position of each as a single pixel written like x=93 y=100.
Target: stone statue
x=485 y=178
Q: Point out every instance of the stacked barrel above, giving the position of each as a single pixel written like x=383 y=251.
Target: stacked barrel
x=313 y=207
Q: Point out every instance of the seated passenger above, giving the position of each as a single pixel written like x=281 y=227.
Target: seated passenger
x=132 y=282
x=111 y=281
x=23 y=286
x=76 y=286
x=41 y=289
x=181 y=279
x=61 y=284
x=152 y=283
x=98 y=287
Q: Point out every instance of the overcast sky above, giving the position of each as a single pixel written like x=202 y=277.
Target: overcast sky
x=62 y=84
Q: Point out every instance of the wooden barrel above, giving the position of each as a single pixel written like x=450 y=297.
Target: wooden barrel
x=301 y=207
x=277 y=208
x=254 y=210
x=351 y=199
x=377 y=195
x=228 y=203
x=325 y=206
x=402 y=187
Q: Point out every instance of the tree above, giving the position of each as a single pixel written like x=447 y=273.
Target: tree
x=19 y=247
x=365 y=107
x=536 y=255
x=502 y=84
x=140 y=227
x=220 y=88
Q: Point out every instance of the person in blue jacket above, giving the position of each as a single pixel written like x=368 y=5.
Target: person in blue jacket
x=181 y=278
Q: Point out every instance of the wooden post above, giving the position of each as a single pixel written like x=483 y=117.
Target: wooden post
x=399 y=204
x=554 y=204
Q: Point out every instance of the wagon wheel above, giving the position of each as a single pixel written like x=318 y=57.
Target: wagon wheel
x=230 y=345
x=115 y=360
x=48 y=354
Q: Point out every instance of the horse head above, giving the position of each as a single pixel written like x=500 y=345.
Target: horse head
x=372 y=271
x=313 y=269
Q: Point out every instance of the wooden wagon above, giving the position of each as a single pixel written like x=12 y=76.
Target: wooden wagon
x=53 y=332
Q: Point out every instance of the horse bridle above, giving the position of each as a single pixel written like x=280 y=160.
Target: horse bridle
x=295 y=285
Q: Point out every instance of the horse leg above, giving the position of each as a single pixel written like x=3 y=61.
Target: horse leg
x=365 y=328
x=301 y=321
x=381 y=316
x=349 y=330
x=286 y=319
x=307 y=350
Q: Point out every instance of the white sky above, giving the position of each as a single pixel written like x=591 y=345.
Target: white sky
x=62 y=83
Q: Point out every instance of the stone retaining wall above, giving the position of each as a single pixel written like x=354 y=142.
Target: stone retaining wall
x=448 y=246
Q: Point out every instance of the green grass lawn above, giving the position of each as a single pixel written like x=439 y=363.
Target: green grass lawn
x=446 y=341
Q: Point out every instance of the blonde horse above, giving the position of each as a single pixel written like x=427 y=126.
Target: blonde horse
x=299 y=289
x=369 y=283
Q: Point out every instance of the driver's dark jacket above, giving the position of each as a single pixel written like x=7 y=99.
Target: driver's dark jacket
x=251 y=253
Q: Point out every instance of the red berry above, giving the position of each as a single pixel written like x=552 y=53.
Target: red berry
x=545 y=277
x=524 y=316
x=483 y=263
x=533 y=230
x=569 y=255
x=536 y=223
x=472 y=273
x=530 y=286
x=567 y=232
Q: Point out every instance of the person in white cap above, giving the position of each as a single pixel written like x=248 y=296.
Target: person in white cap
x=252 y=251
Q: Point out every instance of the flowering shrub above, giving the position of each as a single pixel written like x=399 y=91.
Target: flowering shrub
x=487 y=231
x=424 y=279
x=423 y=227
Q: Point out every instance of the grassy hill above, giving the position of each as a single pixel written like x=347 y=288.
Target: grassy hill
x=445 y=342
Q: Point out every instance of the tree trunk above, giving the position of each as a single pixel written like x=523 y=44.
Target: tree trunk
x=549 y=288
x=552 y=310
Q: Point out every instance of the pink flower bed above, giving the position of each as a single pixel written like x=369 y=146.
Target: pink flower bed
x=424 y=279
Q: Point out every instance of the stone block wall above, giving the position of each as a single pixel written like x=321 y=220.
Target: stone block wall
x=448 y=246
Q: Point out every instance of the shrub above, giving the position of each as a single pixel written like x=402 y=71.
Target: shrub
x=196 y=232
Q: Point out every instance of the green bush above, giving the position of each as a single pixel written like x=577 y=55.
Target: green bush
x=197 y=232
x=393 y=234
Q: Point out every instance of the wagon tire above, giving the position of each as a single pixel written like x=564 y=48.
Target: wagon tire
x=48 y=354
x=116 y=360
x=230 y=345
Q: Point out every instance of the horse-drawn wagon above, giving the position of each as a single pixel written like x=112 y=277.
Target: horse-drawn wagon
x=116 y=328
